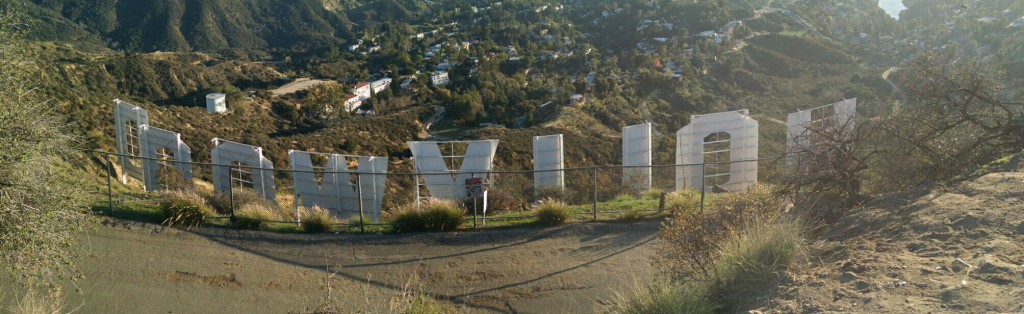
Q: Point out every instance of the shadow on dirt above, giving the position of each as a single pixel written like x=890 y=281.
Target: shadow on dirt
x=348 y=255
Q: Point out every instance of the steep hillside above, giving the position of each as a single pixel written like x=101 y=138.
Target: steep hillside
x=934 y=249
x=190 y=25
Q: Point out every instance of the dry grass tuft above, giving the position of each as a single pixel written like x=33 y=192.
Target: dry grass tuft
x=552 y=212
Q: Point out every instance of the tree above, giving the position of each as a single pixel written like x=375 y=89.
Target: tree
x=41 y=202
x=956 y=119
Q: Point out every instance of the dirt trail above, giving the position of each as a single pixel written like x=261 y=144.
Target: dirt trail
x=142 y=268
x=298 y=85
x=933 y=250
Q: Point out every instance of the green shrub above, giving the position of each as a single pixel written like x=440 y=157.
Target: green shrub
x=665 y=298
x=433 y=215
x=184 y=209
x=408 y=218
x=317 y=220
x=499 y=201
x=551 y=212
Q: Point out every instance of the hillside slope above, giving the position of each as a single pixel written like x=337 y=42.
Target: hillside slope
x=189 y=25
x=938 y=249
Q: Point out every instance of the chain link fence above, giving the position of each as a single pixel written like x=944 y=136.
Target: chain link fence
x=594 y=193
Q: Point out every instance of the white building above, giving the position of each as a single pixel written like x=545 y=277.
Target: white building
x=362 y=90
x=439 y=78
x=353 y=47
x=352 y=102
x=216 y=103
x=407 y=82
x=380 y=85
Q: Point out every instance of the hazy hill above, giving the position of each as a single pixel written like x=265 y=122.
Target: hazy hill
x=194 y=25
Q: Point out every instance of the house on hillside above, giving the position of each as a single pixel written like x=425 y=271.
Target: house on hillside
x=352 y=102
x=380 y=85
x=439 y=78
x=407 y=82
x=353 y=48
x=362 y=90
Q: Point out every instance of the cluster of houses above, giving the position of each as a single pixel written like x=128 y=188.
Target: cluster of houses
x=363 y=91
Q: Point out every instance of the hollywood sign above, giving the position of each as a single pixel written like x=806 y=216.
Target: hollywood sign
x=713 y=150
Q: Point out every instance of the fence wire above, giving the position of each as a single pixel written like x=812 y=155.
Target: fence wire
x=594 y=192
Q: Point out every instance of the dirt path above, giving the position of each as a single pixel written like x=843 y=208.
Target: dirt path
x=298 y=85
x=142 y=268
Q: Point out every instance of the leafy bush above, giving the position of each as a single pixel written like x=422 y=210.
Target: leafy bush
x=433 y=215
x=552 y=212
x=184 y=209
x=498 y=201
x=317 y=220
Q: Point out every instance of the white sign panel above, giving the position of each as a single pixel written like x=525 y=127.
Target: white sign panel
x=842 y=114
x=445 y=183
x=548 y=163
x=336 y=190
x=127 y=120
x=636 y=156
x=730 y=139
x=244 y=163
x=153 y=141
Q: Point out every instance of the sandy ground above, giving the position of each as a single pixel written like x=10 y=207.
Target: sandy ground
x=140 y=268
x=933 y=250
x=298 y=85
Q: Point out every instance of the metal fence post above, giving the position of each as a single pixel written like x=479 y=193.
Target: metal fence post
x=595 y=194
x=231 y=193
x=472 y=175
x=110 y=186
x=359 y=195
x=703 y=185
x=298 y=215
